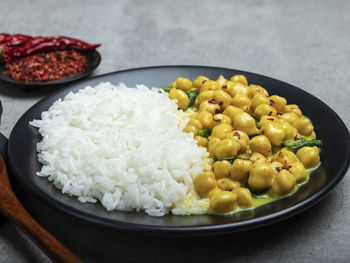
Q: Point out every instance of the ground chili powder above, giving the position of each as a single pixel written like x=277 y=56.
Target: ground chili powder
x=47 y=66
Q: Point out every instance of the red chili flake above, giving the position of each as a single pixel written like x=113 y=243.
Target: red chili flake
x=47 y=66
x=270 y=113
x=270 y=119
x=292 y=108
x=272 y=101
x=236 y=134
x=278 y=169
x=204 y=81
x=285 y=166
x=217 y=120
x=220 y=103
x=224 y=87
x=296 y=138
x=278 y=113
x=218 y=111
x=262 y=132
x=212 y=101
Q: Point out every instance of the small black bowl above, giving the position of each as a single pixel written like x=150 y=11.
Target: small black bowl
x=93 y=57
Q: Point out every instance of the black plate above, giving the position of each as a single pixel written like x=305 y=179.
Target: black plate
x=335 y=157
x=93 y=57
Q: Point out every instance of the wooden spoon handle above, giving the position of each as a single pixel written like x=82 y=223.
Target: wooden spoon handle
x=16 y=213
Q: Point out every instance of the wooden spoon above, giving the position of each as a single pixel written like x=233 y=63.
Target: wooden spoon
x=16 y=213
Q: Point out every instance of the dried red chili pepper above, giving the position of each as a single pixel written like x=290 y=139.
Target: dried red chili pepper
x=47 y=66
x=15 y=46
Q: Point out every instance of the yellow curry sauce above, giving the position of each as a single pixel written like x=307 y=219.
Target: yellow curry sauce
x=260 y=147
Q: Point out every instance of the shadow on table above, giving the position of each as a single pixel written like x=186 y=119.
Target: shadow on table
x=95 y=243
x=20 y=91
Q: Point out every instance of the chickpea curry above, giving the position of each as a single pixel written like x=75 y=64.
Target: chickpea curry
x=260 y=148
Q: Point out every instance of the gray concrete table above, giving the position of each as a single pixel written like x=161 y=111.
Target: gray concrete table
x=305 y=43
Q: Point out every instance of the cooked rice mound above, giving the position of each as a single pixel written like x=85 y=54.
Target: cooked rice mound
x=122 y=146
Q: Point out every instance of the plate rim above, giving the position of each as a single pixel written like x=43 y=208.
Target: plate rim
x=76 y=77
x=187 y=230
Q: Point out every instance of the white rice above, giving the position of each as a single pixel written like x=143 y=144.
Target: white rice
x=122 y=146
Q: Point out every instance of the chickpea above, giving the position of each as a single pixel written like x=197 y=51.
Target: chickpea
x=180 y=97
x=259 y=99
x=276 y=166
x=290 y=117
x=240 y=170
x=309 y=156
x=184 y=84
x=293 y=108
x=283 y=184
x=223 y=98
x=298 y=170
x=260 y=144
x=199 y=81
x=173 y=85
x=260 y=176
x=264 y=109
x=220 y=119
x=221 y=130
x=212 y=145
x=239 y=78
x=222 y=169
x=227 y=184
x=238 y=89
x=196 y=123
x=241 y=137
x=274 y=132
x=223 y=118
x=285 y=157
x=289 y=130
x=214 y=191
x=210 y=106
x=241 y=101
x=201 y=141
x=228 y=86
x=205 y=118
x=221 y=81
x=231 y=111
x=244 y=197
x=204 y=183
x=265 y=120
x=190 y=128
x=226 y=148
x=244 y=122
x=304 y=126
x=258 y=158
x=223 y=202
x=256 y=89
x=205 y=95
x=278 y=102
x=209 y=85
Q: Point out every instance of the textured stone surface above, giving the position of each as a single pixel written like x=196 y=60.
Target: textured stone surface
x=305 y=43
